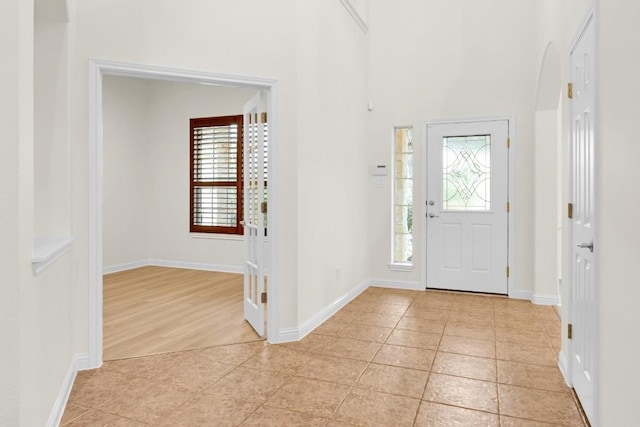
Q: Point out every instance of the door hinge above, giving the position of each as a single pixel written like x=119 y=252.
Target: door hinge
x=508 y=207
x=570 y=331
x=570 y=210
x=570 y=91
x=508 y=142
x=263 y=298
x=263 y=117
x=508 y=272
x=263 y=207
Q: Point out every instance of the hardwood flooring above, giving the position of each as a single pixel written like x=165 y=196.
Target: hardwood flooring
x=151 y=310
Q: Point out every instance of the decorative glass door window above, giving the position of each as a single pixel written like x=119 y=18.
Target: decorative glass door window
x=403 y=196
x=466 y=173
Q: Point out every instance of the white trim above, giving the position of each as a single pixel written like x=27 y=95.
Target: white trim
x=400 y=266
x=295 y=334
x=563 y=364
x=98 y=68
x=545 y=299
x=214 y=236
x=527 y=295
x=396 y=284
x=511 y=218
x=355 y=15
x=48 y=249
x=174 y=264
x=78 y=362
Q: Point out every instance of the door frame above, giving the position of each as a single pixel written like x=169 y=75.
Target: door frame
x=97 y=70
x=566 y=360
x=511 y=218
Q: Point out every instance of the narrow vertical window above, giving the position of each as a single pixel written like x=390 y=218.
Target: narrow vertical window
x=403 y=196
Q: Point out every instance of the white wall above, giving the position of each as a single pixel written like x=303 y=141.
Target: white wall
x=332 y=175
x=10 y=79
x=618 y=208
x=443 y=60
x=146 y=172
x=128 y=180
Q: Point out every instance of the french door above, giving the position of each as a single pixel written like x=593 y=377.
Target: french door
x=467 y=210
x=254 y=178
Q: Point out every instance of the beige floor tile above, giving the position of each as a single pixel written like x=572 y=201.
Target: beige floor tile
x=372 y=408
x=434 y=414
x=274 y=358
x=312 y=343
x=525 y=354
x=187 y=369
x=377 y=319
x=414 y=339
x=333 y=369
x=357 y=305
x=313 y=397
x=552 y=326
x=365 y=332
x=535 y=376
x=234 y=354
x=96 y=388
x=518 y=336
x=394 y=380
x=71 y=412
x=144 y=400
x=249 y=384
x=96 y=418
x=464 y=392
x=331 y=327
x=268 y=416
x=538 y=405
x=475 y=308
x=397 y=298
x=425 y=312
x=392 y=309
x=471 y=317
x=350 y=348
x=468 y=346
x=515 y=322
x=421 y=325
x=519 y=422
x=468 y=330
x=405 y=357
x=461 y=365
x=210 y=410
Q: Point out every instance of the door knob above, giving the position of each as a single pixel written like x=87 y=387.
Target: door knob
x=432 y=215
x=586 y=245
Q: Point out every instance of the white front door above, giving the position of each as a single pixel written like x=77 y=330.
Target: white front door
x=467 y=196
x=583 y=297
x=254 y=207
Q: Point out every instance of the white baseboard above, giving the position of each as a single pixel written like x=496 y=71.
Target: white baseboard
x=395 y=284
x=563 y=364
x=528 y=295
x=542 y=299
x=78 y=362
x=174 y=264
x=296 y=334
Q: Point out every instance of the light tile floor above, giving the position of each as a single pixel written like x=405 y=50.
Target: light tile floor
x=389 y=358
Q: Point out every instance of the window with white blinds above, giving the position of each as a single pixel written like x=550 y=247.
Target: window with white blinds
x=216 y=175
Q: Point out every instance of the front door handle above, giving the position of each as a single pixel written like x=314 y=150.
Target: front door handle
x=432 y=215
x=586 y=245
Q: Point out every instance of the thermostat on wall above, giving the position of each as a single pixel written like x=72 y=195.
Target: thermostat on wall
x=379 y=170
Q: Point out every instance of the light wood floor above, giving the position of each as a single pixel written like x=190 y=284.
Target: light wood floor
x=153 y=310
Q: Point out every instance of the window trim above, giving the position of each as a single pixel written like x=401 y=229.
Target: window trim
x=218 y=121
x=394 y=264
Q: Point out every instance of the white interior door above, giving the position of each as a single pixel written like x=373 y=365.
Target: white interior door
x=254 y=210
x=583 y=302
x=467 y=195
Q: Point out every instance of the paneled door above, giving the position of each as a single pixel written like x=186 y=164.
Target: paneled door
x=254 y=207
x=467 y=210
x=583 y=303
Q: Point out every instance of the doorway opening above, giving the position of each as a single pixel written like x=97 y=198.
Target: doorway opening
x=99 y=70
